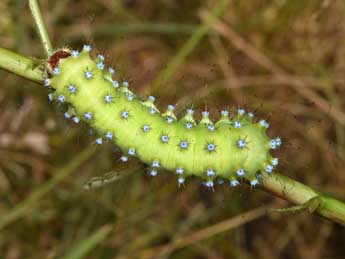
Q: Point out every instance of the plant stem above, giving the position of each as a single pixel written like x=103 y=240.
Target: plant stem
x=298 y=193
x=41 y=28
x=276 y=184
x=28 y=68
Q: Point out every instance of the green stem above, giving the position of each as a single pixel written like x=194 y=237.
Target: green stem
x=276 y=184
x=41 y=28
x=298 y=193
x=29 y=68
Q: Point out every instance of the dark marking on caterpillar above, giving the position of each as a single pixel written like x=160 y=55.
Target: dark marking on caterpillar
x=54 y=59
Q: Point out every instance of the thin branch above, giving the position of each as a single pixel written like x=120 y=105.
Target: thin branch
x=188 y=239
x=41 y=28
x=28 y=68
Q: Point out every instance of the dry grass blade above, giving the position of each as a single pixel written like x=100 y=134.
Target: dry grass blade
x=28 y=204
x=82 y=248
x=193 y=238
x=188 y=47
x=299 y=85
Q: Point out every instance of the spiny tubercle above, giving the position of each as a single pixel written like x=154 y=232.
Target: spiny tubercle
x=231 y=148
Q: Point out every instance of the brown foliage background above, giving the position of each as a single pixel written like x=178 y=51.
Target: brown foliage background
x=283 y=59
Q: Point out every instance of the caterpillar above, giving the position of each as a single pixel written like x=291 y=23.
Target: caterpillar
x=233 y=148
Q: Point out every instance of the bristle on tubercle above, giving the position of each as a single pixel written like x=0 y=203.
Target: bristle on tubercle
x=235 y=147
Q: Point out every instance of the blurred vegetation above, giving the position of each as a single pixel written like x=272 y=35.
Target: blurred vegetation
x=283 y=59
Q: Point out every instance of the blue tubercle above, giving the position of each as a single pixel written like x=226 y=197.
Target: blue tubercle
x=155 y=164
x=56 y=71
x=278 y=141
x=241 y=111
x=237 y=125
x=205 y=113
x=224 y=113
x=273 y=144
x=189 y=125
x=170 y=119
x=254 y=182
x=275 y=161
x=241 y=143
x=88 y=115
x=183 y=144
x=211 y=127
x=116 y=84
x=124 y=114
x=164 y=138
x=99 y=141
x=111 y=70
x=269 y=169
x=234 y=183
x=67 y=115
x=240 y=172
x=100 y=65
x=88 y=74
x=46 y=82
x=76 y=120
x=87 y=48
x=75 y=53
x=72 y=89
x=210 y=172
x=179 y=170
x=131 y=152
x=146 y=128
x=124 y=159
x=264 y=124
x=209 y=184
x=181 y=181
x=108 y=98
x=109 y=135
x=130 y=97
x=211 y=147
x=171 y=107
x=152 y=110
x=100 y=57
x=61 y=98
x=153 y=172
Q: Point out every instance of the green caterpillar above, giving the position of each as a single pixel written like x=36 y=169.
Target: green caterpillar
x=232 y=148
